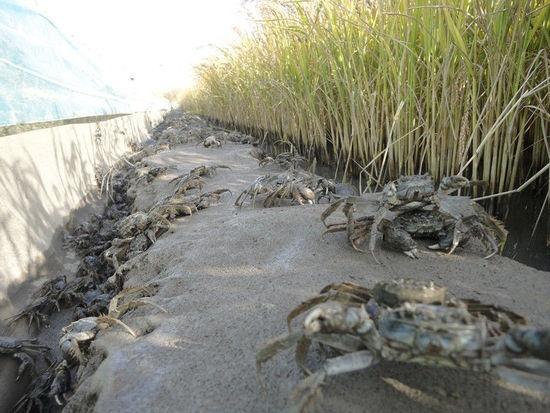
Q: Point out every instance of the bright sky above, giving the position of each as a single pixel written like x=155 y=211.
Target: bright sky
x=156 y=42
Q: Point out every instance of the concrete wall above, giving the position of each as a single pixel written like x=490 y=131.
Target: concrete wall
x=44 y=175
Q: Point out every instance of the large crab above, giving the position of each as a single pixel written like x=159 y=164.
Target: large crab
x=411 y=322
x=412 y=208
x=22 y=349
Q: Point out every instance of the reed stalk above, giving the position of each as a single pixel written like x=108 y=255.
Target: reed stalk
x=395 y=87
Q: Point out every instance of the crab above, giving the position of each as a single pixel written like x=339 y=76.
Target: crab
x=54 y=383
x=51 y=297
x=286 y=160
x=412 y=208
x=150 y=174
x=192 y=180
x=208 y=171
x=95 y=302
x=22 y=349
x=410 y=322
x=174 y=207
x=186 y=183
x=204 y=200
x=131 y=298
x=293 y=185
x=289 y=186
x=118 y=251
x=451 y=231
x=151 y=224
x=258 y=154
x=61 y=383
x=148 y=150
x=325 y=188
x=84 y=330
x=212 y=141
x=261 y=185
x=37 y=395
x=123 y=249
x=61 y=290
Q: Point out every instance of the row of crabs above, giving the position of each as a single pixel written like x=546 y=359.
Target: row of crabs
x=407 y=209
x=107 y=245
x=294 y=184
x=405 y=320
x=402 y=320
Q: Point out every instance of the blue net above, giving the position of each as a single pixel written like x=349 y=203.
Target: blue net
x=43 y=77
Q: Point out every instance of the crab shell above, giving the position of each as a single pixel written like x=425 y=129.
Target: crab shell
x=431 y=330
x=81 y=330
x=415 y=187
x=394 y=293
x=422 y=223
x=132 y=224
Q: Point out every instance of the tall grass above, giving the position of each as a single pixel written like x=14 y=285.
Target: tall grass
x=398 y=87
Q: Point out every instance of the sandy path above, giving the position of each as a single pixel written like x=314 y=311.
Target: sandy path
x=228 y=278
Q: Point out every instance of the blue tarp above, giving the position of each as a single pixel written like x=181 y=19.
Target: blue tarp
x=43 y=77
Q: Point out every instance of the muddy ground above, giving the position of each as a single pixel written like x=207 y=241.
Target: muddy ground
x=229 y=276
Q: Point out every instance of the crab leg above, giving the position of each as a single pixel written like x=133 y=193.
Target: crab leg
x=489 y=241
x=535 y=382
x=275 y=346
x=378 y=217
x=457 y=236
x=351 y=288
x=26 y=363
x=308 y=391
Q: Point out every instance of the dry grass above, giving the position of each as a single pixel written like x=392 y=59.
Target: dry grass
x=445 y=86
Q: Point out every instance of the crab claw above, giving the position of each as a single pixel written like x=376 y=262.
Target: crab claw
x=412 y=254
x=338 y=318
x=27 y=363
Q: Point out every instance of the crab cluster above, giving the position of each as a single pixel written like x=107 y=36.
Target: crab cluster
x=285 y=160
x=180 y=128
x=411 y=208
x=412 y=322
x=105 y=244
x=294 y=185
x=51 y=297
